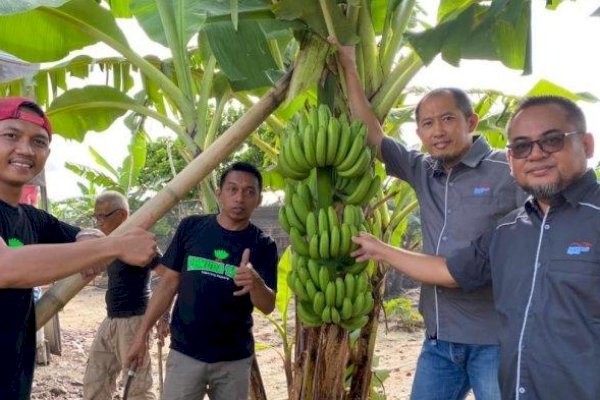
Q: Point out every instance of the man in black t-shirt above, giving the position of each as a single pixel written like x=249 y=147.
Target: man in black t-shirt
x=126 y=300
x=220 y=266
x=25 y=135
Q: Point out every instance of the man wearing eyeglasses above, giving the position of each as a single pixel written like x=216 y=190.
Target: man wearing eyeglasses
x=463 y=187
x=127 y=297
x=543 y=258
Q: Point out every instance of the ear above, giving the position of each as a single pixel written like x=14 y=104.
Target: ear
x=510 y=159
x=588 y=145
x=473 y=120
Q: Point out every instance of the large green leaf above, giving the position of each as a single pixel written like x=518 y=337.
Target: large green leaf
x=101 y=161
x=93 y=108
x=284 y=293
x=500 y=31
x=244 y=55
x=310 y=12
x=134 y=162
x=544 y=88
x=92 y=176
x=147 y=15
x=52 y=33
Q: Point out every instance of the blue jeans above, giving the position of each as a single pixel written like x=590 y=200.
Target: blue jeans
x=446 y=371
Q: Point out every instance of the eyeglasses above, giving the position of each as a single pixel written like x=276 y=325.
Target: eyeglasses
x=550 y=142
x=102 y=217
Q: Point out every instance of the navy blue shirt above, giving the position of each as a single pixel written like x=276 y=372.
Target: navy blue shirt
x=20 y=226
x=545 y=270
x=209 y=323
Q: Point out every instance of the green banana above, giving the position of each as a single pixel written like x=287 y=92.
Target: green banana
x=286 y=170
x=319 y=303
x=333 y=137
x=323 y=221
x=297 y=153
x=311 y=289
x=324 y=245
x=307 y=315
x=312 y=227
x=313 y=271
x=350 y=284
x=340 y=292
x=373 y=188
x=358 y=305
x=302 y=122
x=324 y=115
x=302 y=270
x=326 y=316
x=345 y=240
x=298 y=243
x=323 y=278
x=332 y=218
x=299 y=289
x=313 y=247
x=313 y=118
x=346 y=309
x=359 y=168
x=369 y=303
x=283 y=220
x=300 y=208
x=355 y=323
x=356 y=268
x=361 y=282
x=304 y=192
x=361 y=190
x=293 y=219
x=352 y=155
x=343 y=143
x=335 y=316
x=334 y=242
x=291 y=276
x=309 y=145
x=330 y=294
x=321 y=153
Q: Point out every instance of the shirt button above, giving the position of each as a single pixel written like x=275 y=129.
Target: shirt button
x=451 y=184
x=546 y=227
x=521 y=390
x=449 y=211
x=444 y=238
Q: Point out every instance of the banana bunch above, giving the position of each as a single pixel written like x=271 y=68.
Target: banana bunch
x=298 y=201
x=358 y=191
x=320 y=140
x=345 y=300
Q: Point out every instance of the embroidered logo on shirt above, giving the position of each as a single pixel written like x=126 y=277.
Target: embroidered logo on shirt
x=15 y=243
x=577 y=248
x=481 y=190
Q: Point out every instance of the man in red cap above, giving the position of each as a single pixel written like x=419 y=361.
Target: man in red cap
x=25 y=261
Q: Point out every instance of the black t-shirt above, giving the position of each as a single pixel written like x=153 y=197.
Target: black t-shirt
x=20 y=226
x=209 y=323
x=128 y=289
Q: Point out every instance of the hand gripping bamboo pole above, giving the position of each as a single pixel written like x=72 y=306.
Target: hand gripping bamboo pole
x=64 y=290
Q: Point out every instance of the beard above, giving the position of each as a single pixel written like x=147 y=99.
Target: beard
x=447 y=159
x=545 y=192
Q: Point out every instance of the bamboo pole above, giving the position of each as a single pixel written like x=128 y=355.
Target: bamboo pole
x=64 y=290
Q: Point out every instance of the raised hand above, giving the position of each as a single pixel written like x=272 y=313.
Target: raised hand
x=245 y=276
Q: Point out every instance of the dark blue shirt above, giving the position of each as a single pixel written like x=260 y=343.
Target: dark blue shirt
x=545 y=270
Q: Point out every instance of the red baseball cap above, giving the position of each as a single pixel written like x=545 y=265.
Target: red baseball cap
x=11 y=108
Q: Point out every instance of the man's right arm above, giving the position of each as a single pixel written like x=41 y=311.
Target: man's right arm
x=359 y=104
x=421 y=267
x=160 y=302
x=39 y=264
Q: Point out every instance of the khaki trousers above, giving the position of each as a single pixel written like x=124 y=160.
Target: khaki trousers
x=190 y=379
x=106 y=359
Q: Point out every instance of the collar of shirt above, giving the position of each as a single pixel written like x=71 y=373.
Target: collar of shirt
x=478 y=151
x=573 y=194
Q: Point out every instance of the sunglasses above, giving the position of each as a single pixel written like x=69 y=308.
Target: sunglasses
x=550 y=142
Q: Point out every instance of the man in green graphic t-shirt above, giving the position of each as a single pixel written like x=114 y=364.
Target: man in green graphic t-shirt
x=220 y=266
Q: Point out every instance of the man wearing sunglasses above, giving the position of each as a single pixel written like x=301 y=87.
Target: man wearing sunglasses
x=542 y=258
x=463 y=187
x=127 y=297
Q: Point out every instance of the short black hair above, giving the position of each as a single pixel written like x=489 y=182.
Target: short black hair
x=244 y=167
x=572 y=111
x=460 y=98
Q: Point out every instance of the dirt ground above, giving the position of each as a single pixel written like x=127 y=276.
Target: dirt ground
x=396 y=350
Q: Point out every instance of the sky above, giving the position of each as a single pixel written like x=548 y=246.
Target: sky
x=564 y=47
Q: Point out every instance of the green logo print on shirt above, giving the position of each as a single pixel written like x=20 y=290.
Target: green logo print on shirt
x=216 y=267
x=15 y=243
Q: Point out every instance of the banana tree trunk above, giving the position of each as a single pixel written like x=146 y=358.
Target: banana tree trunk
x=64 y=290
